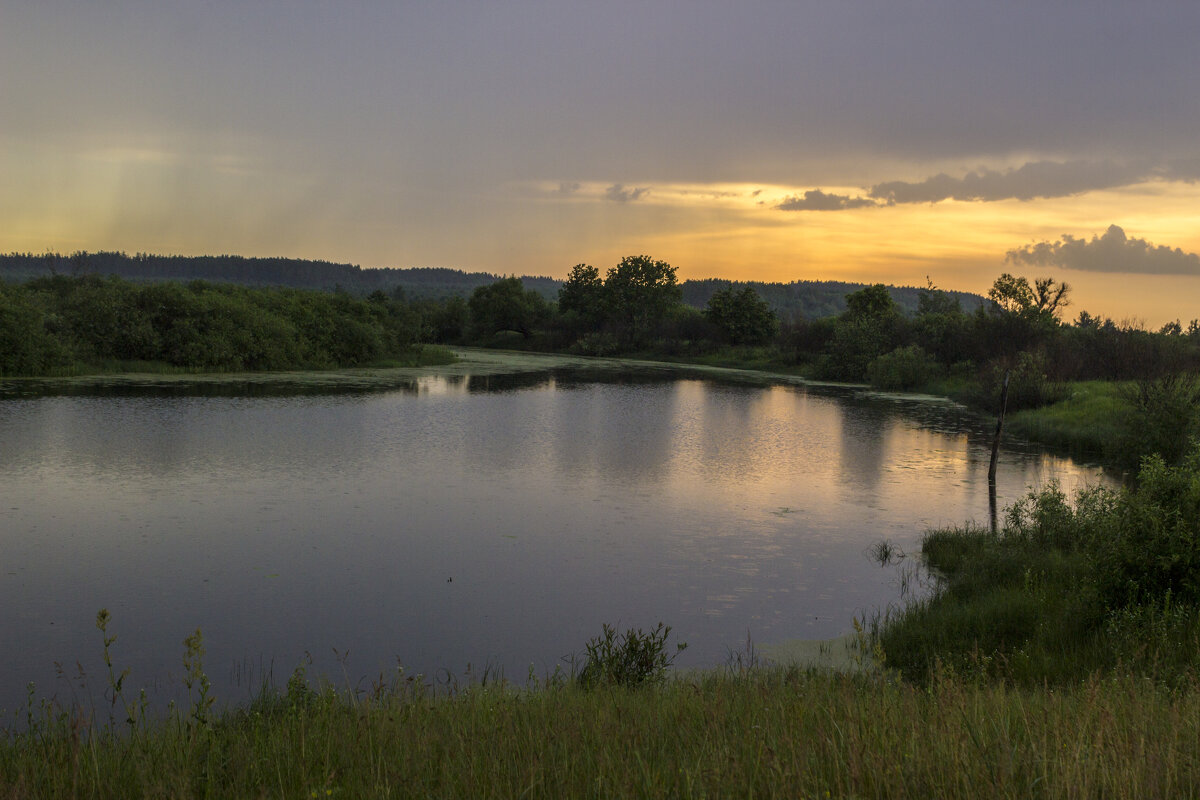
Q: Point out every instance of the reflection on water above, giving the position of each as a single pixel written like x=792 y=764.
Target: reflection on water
x=485 y=520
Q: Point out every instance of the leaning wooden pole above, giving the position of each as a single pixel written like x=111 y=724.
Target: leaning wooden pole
x=996 y=450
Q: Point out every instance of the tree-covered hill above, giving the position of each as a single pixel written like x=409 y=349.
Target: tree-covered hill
x=798 y=299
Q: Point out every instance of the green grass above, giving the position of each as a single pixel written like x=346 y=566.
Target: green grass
x=762 y=733
x=1089 y=420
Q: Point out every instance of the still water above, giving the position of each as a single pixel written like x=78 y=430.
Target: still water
x=489 y=521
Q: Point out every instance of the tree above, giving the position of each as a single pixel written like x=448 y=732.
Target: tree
x=933 y=300
x=1024 y=316
x=1045 y=298
x=743 y=316
x=583 y=295
x=873 y=302
x=638 y=292
x=869 y=328
x=506 y=306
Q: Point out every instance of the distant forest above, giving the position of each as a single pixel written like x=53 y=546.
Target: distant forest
x=796 y=300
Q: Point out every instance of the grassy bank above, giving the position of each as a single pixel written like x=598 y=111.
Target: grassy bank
x=1106 y=581
x=1089 y=420
x=764 y=733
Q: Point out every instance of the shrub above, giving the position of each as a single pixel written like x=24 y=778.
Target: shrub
x=635 y=658
x=1163 y=420
x=903 y=368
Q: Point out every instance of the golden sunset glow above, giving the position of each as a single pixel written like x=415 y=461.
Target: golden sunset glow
x=804 y=142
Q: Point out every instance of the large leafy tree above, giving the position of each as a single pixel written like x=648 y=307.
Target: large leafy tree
x=869 y=328
x=506 y=306
x=582 y=294
x=640 y=291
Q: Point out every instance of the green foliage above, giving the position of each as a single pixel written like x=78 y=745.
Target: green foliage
x=1151 y=549
x=1086 y=420
x=583 y=295
x=445 y=321
x=640 y=291
x=934 y=301
x=1163 y=418
x=743 y=317
x=1029 y=385
x=1043 y=299
x=872 y=302
x=856 y=342
x=505 y=306
x=1054 y=594
x=28 y=345
x=903 y=368
x=869 y=328
x=634 y=659
x=948 y=336
x=59 y=323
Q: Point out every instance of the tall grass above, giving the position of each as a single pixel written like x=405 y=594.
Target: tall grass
x=1089 y=420
x=760 y=733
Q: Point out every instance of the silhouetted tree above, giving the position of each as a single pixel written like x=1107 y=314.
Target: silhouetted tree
x=505 y=306
x=742 y=316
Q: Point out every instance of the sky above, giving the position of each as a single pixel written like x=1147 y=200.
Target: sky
x=887 y=142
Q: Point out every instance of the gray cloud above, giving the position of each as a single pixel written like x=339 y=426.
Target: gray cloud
x=816 y=200
x=619 y=194
x=1183 y=169
x=568 y=187
x=1112 y=252
x=1029 y=181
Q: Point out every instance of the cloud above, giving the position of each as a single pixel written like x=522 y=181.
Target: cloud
x=1112 y=252
x=1183 y=169
x=619 y=194
x=567 y=188
x=816 y=200
x=1034 y=179
x=1031 y=180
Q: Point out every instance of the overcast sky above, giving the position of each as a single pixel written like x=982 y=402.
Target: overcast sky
x=873 y=141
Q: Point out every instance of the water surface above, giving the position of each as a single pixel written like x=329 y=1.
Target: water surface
x=490 y=521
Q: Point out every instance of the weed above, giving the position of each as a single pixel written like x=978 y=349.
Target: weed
x=636 y=658
x=116 y=682
x=743 y=661
x=196 y=680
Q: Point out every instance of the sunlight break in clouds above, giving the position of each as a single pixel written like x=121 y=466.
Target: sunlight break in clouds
x=1112 y=252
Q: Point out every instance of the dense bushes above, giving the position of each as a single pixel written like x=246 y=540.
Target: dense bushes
x=1053 y=594
x=62 y=324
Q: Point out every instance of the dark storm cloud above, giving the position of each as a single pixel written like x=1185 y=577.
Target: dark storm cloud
x=1111 y=252
x=1027 y=182
x=816 y=200
x=808 y=92
x=619 y=194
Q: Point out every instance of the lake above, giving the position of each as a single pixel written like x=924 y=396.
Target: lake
x=463 y=521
